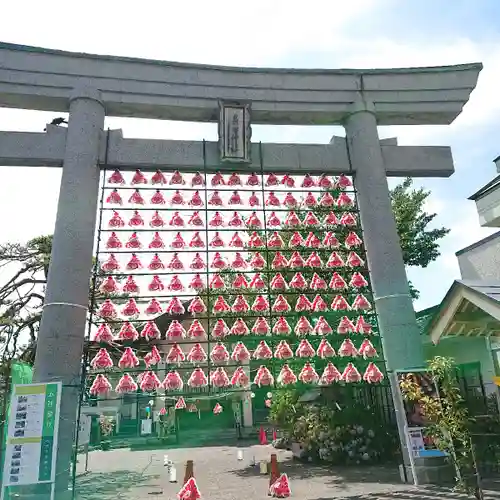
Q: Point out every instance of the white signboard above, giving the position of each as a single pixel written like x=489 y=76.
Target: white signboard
x=84 y=430
x=30 y=455
x=146 y=426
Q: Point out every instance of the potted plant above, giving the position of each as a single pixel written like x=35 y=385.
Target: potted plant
x=106 y=426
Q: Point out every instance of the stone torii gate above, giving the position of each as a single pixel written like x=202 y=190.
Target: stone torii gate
x=91 y=87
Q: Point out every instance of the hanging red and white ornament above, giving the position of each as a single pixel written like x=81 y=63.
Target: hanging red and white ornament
x=322 y=327
x=158 y=178
x=281 y=305
x=372 y=374
x=107 y=310
x=218 y=262
x=197 y=180
x=116 y=221
x=103 y=334
x=176 y=220
x=310 y=200
x=358 y=281
x=257 y=261
x=367 y=350
x=153 y=308
x=279 y=261
x=283 y=350
x=308 y=375
x=111 y=264
x=126 y=384
x=175 y=355
x=343 y=182
x=100 y=386
x=195 y=220
x=263 y=351
x=303 y=326
x=330 y=240
x=150 y=331
x=219 y=353
x=196 y=330
x=325 y=350
x=109 y=285
x=178 y=242
x=180 y=404
x=139 y=178
x=197 y=263
x=348 y=219
x=197 y=354
x=282 y=327
x=173 y=382
x=220 y=306
x=240 y=353
x=218 y=408
x=240 y=378
x=298 y=282
x=253 y=200
x=220 y=329
x=240 y=282
x=303 y=304
x=114 y=198
x=196 y=200
x=327 y=200
x=215 y=199
x=361 y=303
x=305 y=350
x=263 y=377
x=136 y=198
x=157 y=241
x=101 y=360
x=325 y=182
x=272 y=180
x=131 y=310
x=286 y=376
x=152 y=358
x=130 y=285
x=175 y=330
x=156 y=263
x=175 y=284
x=253 y=180
x=330 y=375
x=345 y=326
x=116 y=178
x=218 y=180
x=236 y=241
x=128 y=359
x=150 y=382
x=339 y=303
x=219 y=378
x=158 y=198
x=197 y=379
x=239 y=328
x=197 y=306
x=175 y=307
x=317 y=283
x=261 y=327
x=351 y=374
x=347 y=349
x=354 y=260
x=128 y=332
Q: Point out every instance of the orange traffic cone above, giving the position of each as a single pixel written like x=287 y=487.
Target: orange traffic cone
x=262 y=436
x=275 y=435
x=189 y=471
x=274 y=473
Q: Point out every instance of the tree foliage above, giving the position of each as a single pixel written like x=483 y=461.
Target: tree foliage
x=419 y=243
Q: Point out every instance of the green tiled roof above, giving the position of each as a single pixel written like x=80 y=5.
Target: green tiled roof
x=424 y=317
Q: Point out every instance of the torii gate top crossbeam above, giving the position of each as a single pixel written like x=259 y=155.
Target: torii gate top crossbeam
x=42 y=79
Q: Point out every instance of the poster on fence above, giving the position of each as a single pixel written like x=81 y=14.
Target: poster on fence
x=30 y=454
x=420 y=444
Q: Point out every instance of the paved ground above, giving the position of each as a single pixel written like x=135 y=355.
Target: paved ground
x=138 y=475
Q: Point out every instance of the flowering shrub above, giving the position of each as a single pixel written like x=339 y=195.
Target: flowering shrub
x=330 y=433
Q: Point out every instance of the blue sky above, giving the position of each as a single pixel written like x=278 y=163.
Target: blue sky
x=321 y=34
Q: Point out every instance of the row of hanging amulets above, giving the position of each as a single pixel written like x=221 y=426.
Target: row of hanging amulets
x=277 y=283
x=218 y=179
x=196 y=331
x=219 y=379
x=220 y=355
x=260 y=305
x=253 y=221
x=216 y=199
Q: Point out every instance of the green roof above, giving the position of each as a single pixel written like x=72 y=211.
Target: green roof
x=424 y=317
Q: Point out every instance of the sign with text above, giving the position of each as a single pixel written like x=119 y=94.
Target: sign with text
x=30 y=455
x=234 y=132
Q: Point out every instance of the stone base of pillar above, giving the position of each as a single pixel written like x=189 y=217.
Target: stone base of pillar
x=433 y=470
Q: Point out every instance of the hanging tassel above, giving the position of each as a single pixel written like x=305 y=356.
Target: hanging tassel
x=218 y=262
x=176 y=220
x=257 y=261
x=283 y=351
x=272 y=180
x=255 y=241
x=327 y=200
x=197 y=379
x=235 y=199
x=310 y=200
x=272 y=200
x=240 y=353
x=303 y=304
x=236 y=241
x=303 y=326
x=292 y=220
x=131 y=310
x=260 y=304
x=239 y=262
x=157 y=198
x=310 y=220
x=253 y=180
x=234 y=180
x=220 y=329
x=196 y=200
x=339 y=303
x=239 y=328
x=107 y=310
x=348 y=220
x=177 y=199
x=281 y=305
x=157 y=242
x=109 y=285
x=136 y=198
x=347 y=349
x=335 y=260
x=197 y=354
x=331 y=220
x=344 y=182
x=153 y=308
x=318 y=283
x=240 y=378
x=344 y=201
x=308 y=375
x=217 y=283
x=215 y=200
x=361 y=303
x=298 y=282
x=100 y=386
x=325 y=182
x=330 y=375
x=345 y=326
x=286 y=376
x=367 y=350
x=219 y=378
x=175 y=284
x=282 y=327
x=290 y=201
x=111 y=264
x=175 y=307
x=156 y=221
x=296 y=261
x=219 y=354
x=305 y=350
x=116 y=178
x=150 y=331
x=240 y=282
x=240 y=305
x=103 y=334
x=308 y=182
x=133 y=242
x=325 y=350
x=351 y=374
x=312 y=241
x=131 y=286
x=175 y=263
x=150 y=382
x=235 y=221
x=254 y=200
x=101 y=360
x=279 y=261
x=173 y=382
x=139 y=178
x=116 y=221
x=217 y=241
x=128 y=359
x=358 y=281
x=319 y=305
x=263 y=377
x=197 y=306
x=197 y=263
x=261 y=327
x=263 y=351
x=221 y=306
x=128 y=332
x=126 y=385
x=196 y=331
x=218 y=180
x=354 y=260
x=176 y=179
x=253 y=221
x=278 y=282
x=275 y=241
x=197 y=180
x=330 y=240
x=156 y=264
x=372 y=374
x=363 y=327
x=158 y=178
x=114 y=198
x=288 y=181
x=175 y=355
x=337 y=282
